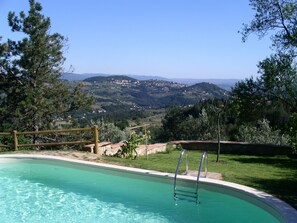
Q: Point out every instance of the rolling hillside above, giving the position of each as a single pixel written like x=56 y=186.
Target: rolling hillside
x=123 y=92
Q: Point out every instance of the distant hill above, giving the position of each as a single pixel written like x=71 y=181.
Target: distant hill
x=226 y=84
x=122 y=92
x=222 y=83
x=112 y=78
x=78 y=77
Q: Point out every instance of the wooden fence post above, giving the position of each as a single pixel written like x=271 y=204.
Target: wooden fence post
x=96 y=139
x=15 y=140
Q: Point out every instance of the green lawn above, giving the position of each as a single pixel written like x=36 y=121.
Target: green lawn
x=275 y=175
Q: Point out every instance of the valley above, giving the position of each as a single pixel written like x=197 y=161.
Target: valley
x=121 y=97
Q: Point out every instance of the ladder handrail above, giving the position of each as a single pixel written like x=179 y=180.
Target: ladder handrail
x=204 y=160
x=178 y=165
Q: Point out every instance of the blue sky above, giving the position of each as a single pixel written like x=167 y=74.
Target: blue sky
x=169 y=38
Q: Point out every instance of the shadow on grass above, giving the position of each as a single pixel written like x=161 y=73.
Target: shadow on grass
x=280 y=162
x=284 y=187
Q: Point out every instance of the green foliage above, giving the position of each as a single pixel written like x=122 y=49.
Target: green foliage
x=197 y=128
x=8 y=140
x=79 y=100
x=109 y=132
x=278 y=79
x=246 y=102
x=128 y=149
x=276 y=15
x=293 y=132
x=198 y=122
x=272 y=95
x=32 y=94
x=262 y=133
x=158 y=134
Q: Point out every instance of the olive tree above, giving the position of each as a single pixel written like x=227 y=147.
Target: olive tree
x=275 y=17
x=277 y=83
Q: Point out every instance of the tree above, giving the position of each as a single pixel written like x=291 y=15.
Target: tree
x=196 y=128
x=218 y=109
x=198 y=122
x=30 y=71
x=278 y=16
x=246 y=100
x=261 y=133
x=293 y=132
x=171 y=122
x=274 y=90
x=108 y=131
x=279 y=79
x=276 y=87
x=272 y=95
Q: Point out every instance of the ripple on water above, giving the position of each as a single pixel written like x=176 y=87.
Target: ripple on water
x=24 y=201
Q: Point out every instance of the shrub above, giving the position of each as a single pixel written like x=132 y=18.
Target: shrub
x=110 y=132
x=128 y=149
x=262 y=133
x=293 y=133
x=8 y=140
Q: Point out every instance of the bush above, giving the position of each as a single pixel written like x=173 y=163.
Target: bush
x=109 y=132
x=262 y=133
x=128 y=150
x=8 y=140
x=293 y=133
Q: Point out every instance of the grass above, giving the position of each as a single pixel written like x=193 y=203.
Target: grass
x=275 y=175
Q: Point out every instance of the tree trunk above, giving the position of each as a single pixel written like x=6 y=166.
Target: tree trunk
x=219 y=139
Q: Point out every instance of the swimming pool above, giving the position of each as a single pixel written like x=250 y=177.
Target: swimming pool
x=50 y=189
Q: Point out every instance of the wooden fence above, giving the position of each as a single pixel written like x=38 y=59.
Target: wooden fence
x=16 y=145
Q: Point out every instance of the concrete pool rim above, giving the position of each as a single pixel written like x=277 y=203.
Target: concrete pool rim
x=285 y=213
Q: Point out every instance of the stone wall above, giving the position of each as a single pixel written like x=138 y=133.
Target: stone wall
x=235 y=147
x=109 y=149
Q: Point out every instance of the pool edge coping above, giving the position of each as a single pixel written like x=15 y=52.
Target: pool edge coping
x=287 y=212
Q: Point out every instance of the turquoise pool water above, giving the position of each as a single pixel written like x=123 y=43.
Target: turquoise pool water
x=33 y=190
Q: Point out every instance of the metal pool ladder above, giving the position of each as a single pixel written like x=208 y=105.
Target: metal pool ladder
x=182 y=194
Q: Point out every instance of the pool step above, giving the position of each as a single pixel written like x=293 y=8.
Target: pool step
x=185 y=193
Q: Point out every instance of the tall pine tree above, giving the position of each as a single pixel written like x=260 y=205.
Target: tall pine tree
x=32 y=94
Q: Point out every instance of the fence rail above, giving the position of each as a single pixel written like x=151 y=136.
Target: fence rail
x=16 y=145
